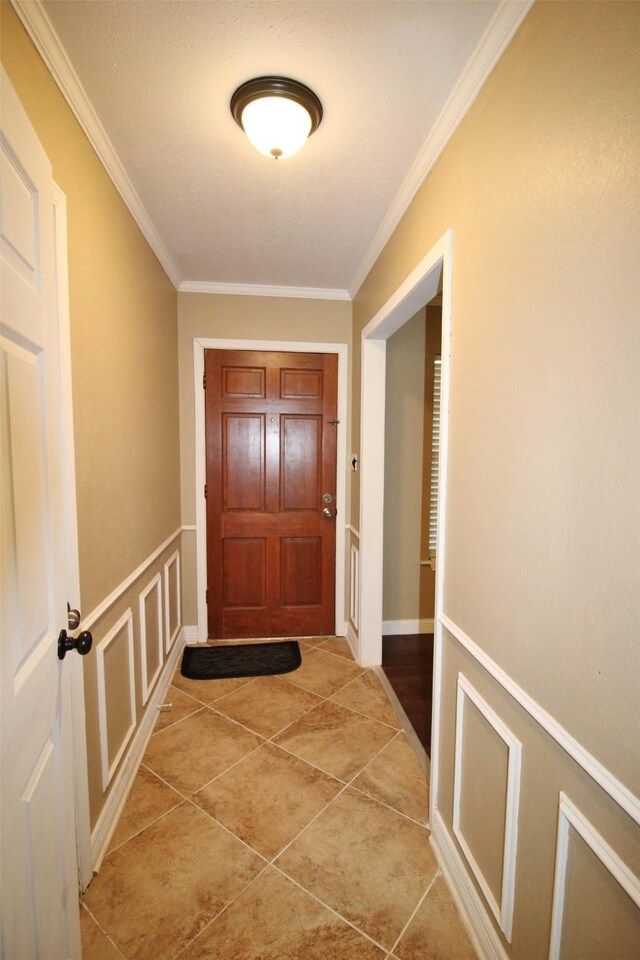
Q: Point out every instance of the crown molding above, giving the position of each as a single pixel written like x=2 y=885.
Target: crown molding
x=490 y=48
x=256 y=290
x=48 y=45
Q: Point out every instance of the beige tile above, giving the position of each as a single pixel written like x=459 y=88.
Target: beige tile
x=267 y=705
x=313 y=641
x=181 y=706
x=335 y=739
x=395 y=777
x=95 y=944
x=274 y=920
x=158 y=891
x=323 y=673
x=436 y=932
x=339 y=646
x=366 y=695
x=207 y=691
x=190 y=753
x=365 y=861
x=148 y=800
x=268 y=798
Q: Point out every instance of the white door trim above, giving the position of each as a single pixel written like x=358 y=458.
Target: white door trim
x=75 y=668
x=200 y=344
x=413 y=293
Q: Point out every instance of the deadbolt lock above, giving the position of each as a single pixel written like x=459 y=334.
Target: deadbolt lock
x=327 y=498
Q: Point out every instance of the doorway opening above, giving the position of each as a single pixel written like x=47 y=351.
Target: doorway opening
x=413 y=380
x=432 y=274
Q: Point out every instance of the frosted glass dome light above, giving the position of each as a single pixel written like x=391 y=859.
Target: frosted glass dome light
x=277 y=114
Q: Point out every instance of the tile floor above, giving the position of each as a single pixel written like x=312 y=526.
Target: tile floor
x=276 y=817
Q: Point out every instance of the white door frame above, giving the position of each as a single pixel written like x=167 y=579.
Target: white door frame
x=200 y=344
x=75 y=670
x=413 y=293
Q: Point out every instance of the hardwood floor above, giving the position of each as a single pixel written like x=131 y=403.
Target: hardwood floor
x=407 y=662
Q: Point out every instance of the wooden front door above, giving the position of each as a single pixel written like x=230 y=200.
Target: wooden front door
x=271 y=489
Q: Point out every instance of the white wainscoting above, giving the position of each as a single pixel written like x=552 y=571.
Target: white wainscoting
x=148 y=642
x=618 y=792
x=122 y=588
x=123 y=781
x=570 y=818
x=172 y=617
x=123 y=626
x=502 y=911
x=398 y=628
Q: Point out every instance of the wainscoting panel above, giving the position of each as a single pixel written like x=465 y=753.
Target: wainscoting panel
x=485 y=821
x=354 y=586
x=584 y=858
x=116 y=694
x=538 y=838
x=151 y=651
x=172 y=600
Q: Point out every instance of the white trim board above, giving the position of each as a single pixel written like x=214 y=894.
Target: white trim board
x=147 y=682
x=596 y=770
x=570 y=817
x=488 y=51
x=37 y=24
x=173 y=561
x=502 y=911
x=397 y=628
x=200 y=344
x=263 y=290
x=115 y=595
x=114 y=804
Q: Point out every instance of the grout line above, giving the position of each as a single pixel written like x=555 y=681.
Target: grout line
x=417 y=907
x=102 y=930
x=332 y=910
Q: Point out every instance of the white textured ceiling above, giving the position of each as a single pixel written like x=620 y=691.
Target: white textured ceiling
x=160 y=76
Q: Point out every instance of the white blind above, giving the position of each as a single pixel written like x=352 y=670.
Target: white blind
x=435 y=458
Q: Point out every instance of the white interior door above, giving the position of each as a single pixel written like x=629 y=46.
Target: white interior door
x=39 y=868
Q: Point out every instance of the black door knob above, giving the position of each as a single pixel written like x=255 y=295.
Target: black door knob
x=82 y=643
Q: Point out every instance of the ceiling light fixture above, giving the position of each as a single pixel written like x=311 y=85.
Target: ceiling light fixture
x=277 y=114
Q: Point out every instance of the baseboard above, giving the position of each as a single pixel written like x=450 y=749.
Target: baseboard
x=110 y=814
x=471 y=907
x=190 y=634
x=396 y=628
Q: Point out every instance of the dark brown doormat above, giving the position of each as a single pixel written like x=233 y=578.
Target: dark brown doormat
x=247 y=660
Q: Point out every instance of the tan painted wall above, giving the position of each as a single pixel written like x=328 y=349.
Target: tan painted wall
x=239 y=318
x=540 y=186
x=403 y=462
x=123 y=312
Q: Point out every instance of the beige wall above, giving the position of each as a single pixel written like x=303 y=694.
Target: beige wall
x=403 y=464
x=123 y=313
x=220 y=316
x=540 y=186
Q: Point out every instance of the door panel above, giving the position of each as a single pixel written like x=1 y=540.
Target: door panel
x=39 y=899
x=271 y=455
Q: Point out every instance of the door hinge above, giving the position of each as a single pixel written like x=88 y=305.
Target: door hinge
x=204 y=381
x=206 y=596
x=205 y=491
x=334 y=422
